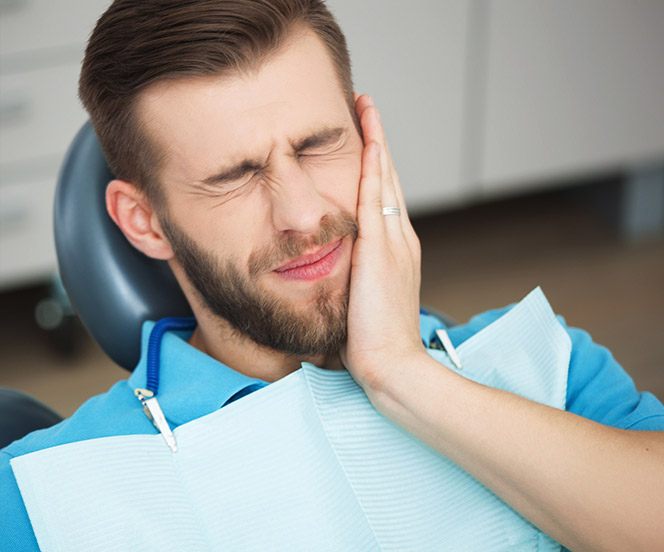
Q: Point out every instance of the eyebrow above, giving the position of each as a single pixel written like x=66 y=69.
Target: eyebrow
x=322 y=137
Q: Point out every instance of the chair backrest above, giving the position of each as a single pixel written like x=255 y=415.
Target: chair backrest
x=20 y=414
x=113 y=287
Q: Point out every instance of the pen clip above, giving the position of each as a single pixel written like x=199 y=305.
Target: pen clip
x=155 y=414
x=446 y=343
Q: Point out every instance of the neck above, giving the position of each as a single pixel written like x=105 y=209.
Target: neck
x=217 y=339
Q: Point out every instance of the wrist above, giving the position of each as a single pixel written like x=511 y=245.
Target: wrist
x=402 y=387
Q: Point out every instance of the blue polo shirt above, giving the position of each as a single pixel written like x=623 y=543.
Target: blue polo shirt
x=194 y=384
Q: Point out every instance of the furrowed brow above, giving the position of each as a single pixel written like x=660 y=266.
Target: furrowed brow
x=323 y=137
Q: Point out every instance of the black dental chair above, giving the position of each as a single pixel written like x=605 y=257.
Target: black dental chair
x=112 y=287
x=21 y=414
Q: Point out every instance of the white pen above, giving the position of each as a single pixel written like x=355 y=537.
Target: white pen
x=156 y=415
x=446 y=342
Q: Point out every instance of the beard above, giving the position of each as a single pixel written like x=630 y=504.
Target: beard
x=257 y=313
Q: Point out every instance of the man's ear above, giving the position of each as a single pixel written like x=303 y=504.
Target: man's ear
x=134 y=215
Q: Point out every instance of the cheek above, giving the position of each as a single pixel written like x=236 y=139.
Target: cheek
x=338 y=181
x=227 y=234
x=353 y=179
x=355 y=173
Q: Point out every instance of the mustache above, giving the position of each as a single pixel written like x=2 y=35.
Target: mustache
x=331 y=227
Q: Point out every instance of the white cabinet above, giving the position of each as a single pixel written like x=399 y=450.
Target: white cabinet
x=481 y=97
x=41 y=113
x=478 y=98
x=41 y=47
x=26 y=236
x=411 y=58
x=571 y=86
x=37 y=26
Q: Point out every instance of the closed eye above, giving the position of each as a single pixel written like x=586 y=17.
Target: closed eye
x=322 y=142
x=321 y=151
x=313 y=153
x=233 y=186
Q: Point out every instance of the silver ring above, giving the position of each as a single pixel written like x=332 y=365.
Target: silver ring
x=391 y=211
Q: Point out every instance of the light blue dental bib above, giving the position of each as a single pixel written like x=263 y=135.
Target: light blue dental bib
x=305 y=463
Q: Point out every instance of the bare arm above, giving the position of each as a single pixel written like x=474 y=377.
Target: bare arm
x=589 y=486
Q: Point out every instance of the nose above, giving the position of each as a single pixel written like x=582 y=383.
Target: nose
x=297 y=205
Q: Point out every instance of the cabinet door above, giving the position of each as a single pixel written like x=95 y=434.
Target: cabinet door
x=27 y=252
x=35 y=31
x=39 y=113
x=410 y=57
x=571 y=86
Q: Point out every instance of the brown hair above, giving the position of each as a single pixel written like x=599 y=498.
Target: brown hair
x=137 y=43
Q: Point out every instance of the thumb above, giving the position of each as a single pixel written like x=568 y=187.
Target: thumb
x=343 y=356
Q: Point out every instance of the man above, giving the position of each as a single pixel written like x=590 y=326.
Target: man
x=245 y=161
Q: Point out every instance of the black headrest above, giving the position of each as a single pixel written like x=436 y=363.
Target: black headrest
x=113 y=287
x=21 y=414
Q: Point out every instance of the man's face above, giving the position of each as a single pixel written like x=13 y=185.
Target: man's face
x=261 y=169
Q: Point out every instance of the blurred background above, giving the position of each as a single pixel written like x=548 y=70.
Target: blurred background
x=529 y=138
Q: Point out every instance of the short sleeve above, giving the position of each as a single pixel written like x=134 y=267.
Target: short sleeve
x=600 y=389
x=16 y=534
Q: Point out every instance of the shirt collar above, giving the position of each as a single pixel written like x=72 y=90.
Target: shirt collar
x=192 y=384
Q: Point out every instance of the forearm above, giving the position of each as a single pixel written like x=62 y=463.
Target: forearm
x=586 y=485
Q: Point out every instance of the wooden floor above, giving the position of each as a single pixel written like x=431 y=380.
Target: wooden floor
x=473 y=259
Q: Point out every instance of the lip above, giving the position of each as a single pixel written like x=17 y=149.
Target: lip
x=314 y=266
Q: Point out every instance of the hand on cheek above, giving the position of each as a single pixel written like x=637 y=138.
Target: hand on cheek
x=383 y=311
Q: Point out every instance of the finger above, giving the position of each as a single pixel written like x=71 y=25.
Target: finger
x=375 y=131
x=399 y=232
x=392 y=226
x=369 y=197
x=361 y=105
x=363 y=102
x=366 y=102
x=406 y=225
x=371 y=127
x=372 y=130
